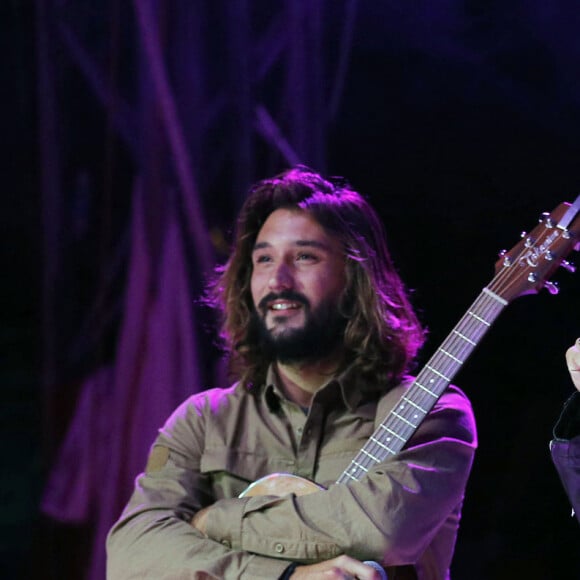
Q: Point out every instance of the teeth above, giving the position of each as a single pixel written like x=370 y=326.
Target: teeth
x=283 y=306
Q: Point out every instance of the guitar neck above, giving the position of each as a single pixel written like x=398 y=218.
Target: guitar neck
x=523 y=270
x=394 y=432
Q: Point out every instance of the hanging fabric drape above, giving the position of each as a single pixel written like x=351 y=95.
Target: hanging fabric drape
x=121 y=407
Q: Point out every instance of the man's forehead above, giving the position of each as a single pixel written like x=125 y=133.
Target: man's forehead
x=293 y=227
x=300 y=243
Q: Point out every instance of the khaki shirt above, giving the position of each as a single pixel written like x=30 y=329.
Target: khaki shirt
x=405 y=510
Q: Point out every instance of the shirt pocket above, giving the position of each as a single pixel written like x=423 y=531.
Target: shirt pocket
x=335 y=458
x=231 y=470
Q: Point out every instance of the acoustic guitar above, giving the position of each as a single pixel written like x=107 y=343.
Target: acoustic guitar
x=525 y=269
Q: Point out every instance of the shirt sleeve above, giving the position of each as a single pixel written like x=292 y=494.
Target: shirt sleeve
x=391 y=515
x=153 y=537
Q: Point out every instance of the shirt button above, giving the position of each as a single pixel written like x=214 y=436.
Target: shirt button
x=226 y=543
x=299 y=430
x=279 y=548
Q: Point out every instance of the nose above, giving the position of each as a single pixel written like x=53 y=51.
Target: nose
x=281 y=278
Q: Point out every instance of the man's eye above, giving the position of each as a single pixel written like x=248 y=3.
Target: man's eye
x=262 y=259
x=306 y=256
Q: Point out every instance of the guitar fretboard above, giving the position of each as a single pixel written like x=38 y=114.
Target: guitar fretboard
x=394 y=432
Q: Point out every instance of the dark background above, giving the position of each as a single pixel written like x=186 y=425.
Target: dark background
x=461 y=123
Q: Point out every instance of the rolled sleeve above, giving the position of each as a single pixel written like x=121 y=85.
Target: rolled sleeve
x=252 y=525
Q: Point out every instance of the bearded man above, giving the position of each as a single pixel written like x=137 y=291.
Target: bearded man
x=321 y=337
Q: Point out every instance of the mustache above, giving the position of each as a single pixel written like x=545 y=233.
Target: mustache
x=284 y=295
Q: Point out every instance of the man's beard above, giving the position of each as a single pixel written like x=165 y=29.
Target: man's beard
x=321 y=335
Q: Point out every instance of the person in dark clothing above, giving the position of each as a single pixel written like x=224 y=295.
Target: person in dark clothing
x=565 y=447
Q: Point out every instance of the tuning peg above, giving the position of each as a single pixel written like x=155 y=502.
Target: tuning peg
x=548 y=221
x=552 y=287
x=506 y=259
x=568 y=266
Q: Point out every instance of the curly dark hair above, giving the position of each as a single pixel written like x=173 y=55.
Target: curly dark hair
x=382 y=334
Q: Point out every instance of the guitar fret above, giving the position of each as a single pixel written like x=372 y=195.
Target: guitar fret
x=359 y=465
x=392 y=432
x=479 y=318
x=495 y=296
x=375 y=459
x=425 y=389
x=346 y=474
x=403 y=419
x=415 y=405
x=451 y=356
x=375 y=440
x=437 y=373
x=464 y=337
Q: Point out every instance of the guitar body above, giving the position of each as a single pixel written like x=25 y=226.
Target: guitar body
x=280 y=484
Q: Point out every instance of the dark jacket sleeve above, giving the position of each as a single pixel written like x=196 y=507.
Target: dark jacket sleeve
x=565 y=450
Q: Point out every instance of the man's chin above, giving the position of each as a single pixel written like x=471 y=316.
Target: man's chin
x=285 y=328
x=300 y=337
x=286 y=339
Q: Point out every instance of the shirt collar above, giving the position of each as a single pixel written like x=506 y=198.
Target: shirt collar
x=348 y=385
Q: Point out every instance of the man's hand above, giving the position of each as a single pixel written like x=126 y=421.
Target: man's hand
x=340 y=568
x=573 y=362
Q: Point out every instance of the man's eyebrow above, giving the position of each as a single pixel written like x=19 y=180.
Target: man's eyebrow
x=313 y=244
x=260 y=246
x=299 y=243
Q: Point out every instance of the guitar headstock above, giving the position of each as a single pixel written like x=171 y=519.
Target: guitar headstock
x=527 y=267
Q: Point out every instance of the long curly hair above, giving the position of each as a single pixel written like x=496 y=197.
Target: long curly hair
x=382 y=334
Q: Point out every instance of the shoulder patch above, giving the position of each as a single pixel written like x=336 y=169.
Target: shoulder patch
x=157 y=459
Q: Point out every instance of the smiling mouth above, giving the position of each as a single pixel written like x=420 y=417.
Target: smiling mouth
x=284 y=306
x=284 y=303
